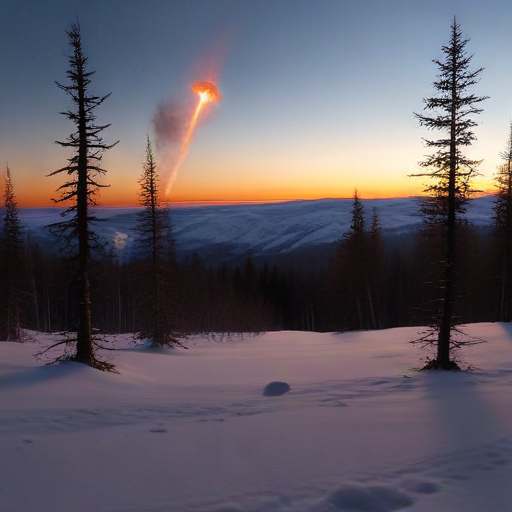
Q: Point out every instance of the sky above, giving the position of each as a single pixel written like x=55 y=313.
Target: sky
x=318 y=96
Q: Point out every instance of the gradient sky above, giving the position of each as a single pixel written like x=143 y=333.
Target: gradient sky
x=318 y=95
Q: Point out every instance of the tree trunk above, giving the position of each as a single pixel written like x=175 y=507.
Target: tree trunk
x=84 y=347
x=443 y=347
x=507 y=302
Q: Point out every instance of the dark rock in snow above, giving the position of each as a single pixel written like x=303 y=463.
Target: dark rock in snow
x=276 y=388
x=369 y=498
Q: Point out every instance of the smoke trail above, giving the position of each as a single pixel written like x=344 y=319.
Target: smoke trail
x=169 y=126
x=174 y=127
x=206 y=92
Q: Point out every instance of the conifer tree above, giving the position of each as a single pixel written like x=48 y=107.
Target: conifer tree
x=503 y=227
x=355 y=248
x=346 y=289
x=81 y=188
x=452 y=110
x=11 y=265
x=357 y=224
x=155 y=244
x=375 y=271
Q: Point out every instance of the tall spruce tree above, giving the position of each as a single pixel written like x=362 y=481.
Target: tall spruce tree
x=155 y=308
x=452 y=110
x=503 y=227
x=375 y=271
x=11 y=264
x=354 y=247
x=81 y=188
x=346 y=287
x=357 y=224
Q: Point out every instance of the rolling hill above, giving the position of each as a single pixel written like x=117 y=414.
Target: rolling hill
x=229 y=232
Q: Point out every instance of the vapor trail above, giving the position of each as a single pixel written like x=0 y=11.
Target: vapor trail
x=207 y=93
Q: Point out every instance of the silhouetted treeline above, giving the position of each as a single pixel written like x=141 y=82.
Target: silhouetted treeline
x=370 y=282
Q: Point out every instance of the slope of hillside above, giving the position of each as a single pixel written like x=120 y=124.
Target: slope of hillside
x=261 y=229
x=190 y=431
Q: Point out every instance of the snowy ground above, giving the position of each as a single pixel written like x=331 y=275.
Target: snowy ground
x=185 y=431
x=266 y=228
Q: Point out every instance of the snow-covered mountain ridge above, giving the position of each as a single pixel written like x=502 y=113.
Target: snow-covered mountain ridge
x=265 y=228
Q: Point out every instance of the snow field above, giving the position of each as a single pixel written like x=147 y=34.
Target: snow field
x=190 y=431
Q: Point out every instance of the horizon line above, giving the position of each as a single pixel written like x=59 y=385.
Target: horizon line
x=220 y=202
x=217 y=202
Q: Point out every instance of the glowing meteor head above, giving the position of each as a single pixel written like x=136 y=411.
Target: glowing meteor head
x=206 y=91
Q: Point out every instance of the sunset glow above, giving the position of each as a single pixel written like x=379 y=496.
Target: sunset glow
x=302 y=116
x=270 y=185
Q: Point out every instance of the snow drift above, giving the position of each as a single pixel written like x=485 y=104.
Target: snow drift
x=360 y=430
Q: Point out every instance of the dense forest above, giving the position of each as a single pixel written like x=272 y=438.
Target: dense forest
x=368 y=282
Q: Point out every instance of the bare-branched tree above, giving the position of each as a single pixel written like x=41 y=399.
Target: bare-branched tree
x=11 y=265
x=503 y=225
x=156 y=310
x=452 y=112
x=81 y=188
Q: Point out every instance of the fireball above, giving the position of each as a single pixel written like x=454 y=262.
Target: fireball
x=208 y=93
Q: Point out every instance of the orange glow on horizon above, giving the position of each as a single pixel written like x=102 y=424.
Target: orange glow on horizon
x=198 y=185
x=225 y=196
x=230 y=196
x=191 y=188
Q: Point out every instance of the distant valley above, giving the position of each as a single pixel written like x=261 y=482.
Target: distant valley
x=268 y=230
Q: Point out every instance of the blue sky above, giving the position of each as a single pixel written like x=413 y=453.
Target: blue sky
x=318 y=96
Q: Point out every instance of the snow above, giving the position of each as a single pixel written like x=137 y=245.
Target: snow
x=360 y=430
x=259 y=228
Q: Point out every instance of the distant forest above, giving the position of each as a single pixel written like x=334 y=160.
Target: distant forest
x=366 y=282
